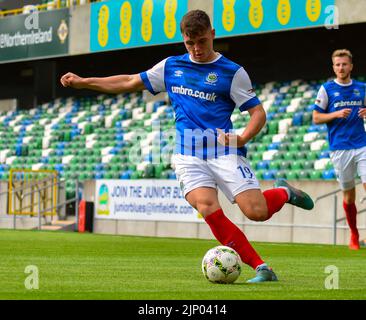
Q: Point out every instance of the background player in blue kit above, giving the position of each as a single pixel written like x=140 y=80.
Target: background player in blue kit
x=341 y=105
x=204 y=87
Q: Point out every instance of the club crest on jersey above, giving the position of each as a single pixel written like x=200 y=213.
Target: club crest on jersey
x=211 y=78
x=178 y=73
x=337 y=94
x=356 y=92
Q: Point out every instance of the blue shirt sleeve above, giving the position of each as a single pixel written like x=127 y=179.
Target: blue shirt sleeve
x=317 y=108
x=249 y=104
x=147 y=83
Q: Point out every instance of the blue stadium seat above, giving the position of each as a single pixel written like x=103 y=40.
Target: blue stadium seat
x=274 y=146
x=297 y=119
x=324 y=154
x=269 y=174
x=99 y=175
x=262 y=165
x=328 y=174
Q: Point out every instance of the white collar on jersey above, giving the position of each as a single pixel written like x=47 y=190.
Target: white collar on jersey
x=343 y=84
x=214 y=60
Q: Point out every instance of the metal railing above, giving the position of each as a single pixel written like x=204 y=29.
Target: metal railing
x=337 y=220
x=50 y=5
x=55 y=207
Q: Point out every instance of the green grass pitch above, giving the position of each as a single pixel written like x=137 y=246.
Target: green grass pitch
x=90 y=266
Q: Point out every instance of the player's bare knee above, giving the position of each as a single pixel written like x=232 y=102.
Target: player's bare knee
x=206 y=207
x=349 y=196
x=254 y=209
x=257 y=213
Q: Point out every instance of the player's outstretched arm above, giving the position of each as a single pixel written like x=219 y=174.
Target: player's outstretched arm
x=113 y=84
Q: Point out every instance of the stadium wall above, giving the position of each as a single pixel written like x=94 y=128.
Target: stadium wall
x=29 y=82
x=351 y=11
x=79 y=30
x=283 y=48
x=291 y=224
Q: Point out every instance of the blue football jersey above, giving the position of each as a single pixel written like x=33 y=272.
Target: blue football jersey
x=348 y=133
x=203 y=96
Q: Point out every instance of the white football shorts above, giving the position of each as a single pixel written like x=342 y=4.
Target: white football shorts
x=231 y=173
x=347 y=164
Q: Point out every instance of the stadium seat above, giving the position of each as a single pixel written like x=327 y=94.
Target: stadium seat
x=95 y=136
x=328 y=174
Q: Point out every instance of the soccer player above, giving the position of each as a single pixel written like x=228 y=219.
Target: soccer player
x=204 y=87
x=341 y=105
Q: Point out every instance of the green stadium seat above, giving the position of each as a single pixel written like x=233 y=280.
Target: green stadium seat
x=273 y=127
x=292 y=175
x=137 y=174
x=304 y=174
x=159 y=168
x=261 y=147
x=311 y=155
x=289 y=156
x=280 y=155
x=315 y=174
x=296 y=165
x=259 y=174
x=284 y=146
x=266 y=140
x=294 y=147
x=275 y=164
x=308 y=164
x=281 y=174
x=148 y=172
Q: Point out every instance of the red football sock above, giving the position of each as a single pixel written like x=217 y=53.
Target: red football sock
x=228 y=234
x=351 y=215
x=275 y=199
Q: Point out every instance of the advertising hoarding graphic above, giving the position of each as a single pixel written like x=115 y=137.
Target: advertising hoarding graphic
x=234 y=17
x=137 y=23
x=38 y=34
x=156 y=200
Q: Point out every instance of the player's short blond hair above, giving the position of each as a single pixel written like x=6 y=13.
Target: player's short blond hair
x=342 y=53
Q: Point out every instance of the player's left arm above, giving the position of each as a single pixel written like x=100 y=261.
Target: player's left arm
x=362 y=110
x=255 y=124
x=243 y=95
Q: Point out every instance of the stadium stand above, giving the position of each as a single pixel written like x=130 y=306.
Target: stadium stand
x=8 y=8
x=86 y=137
x=92 y=137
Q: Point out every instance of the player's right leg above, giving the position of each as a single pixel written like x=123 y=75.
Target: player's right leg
x=345 y=163
x=238 y=182
x=349 y=206
x=297 y=197
x=200 y=190
x=205 y=201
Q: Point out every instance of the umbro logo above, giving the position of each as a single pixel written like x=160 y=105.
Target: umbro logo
x=178 y=73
